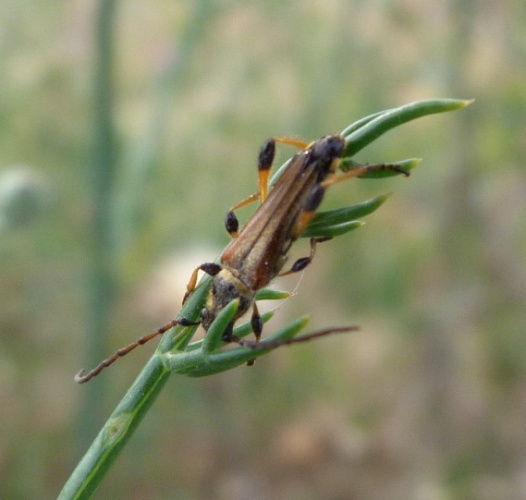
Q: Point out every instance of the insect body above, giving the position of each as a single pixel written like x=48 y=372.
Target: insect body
x=258 y=254
x=259 y=251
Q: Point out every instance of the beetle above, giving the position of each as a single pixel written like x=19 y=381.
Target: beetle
x=258 y=253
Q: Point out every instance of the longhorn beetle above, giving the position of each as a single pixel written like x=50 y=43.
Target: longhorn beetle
x=259 y=251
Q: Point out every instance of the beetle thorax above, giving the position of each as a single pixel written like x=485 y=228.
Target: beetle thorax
x=225 y=288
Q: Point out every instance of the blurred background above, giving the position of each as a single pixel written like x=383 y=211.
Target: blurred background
x=127 y=131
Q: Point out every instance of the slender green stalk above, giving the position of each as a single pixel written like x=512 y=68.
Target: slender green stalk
x=102 y=173
x=176 y=353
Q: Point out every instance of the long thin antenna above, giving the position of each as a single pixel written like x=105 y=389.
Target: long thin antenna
x=82 y=376
x=273 y=343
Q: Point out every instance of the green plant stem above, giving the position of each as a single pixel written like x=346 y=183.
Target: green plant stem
x=102 y=173
x=116 y=432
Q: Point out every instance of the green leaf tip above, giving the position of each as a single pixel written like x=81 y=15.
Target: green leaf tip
x=462 y=103
x=361 y=133
x=271 y=294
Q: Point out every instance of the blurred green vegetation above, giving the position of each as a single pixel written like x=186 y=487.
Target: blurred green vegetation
x=428 y=399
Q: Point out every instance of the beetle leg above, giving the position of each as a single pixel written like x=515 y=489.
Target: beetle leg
x=358 y=172
x=83 y=376
x=210 y=268
x=265 y=160
x=303 y=262
x=256 y=322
